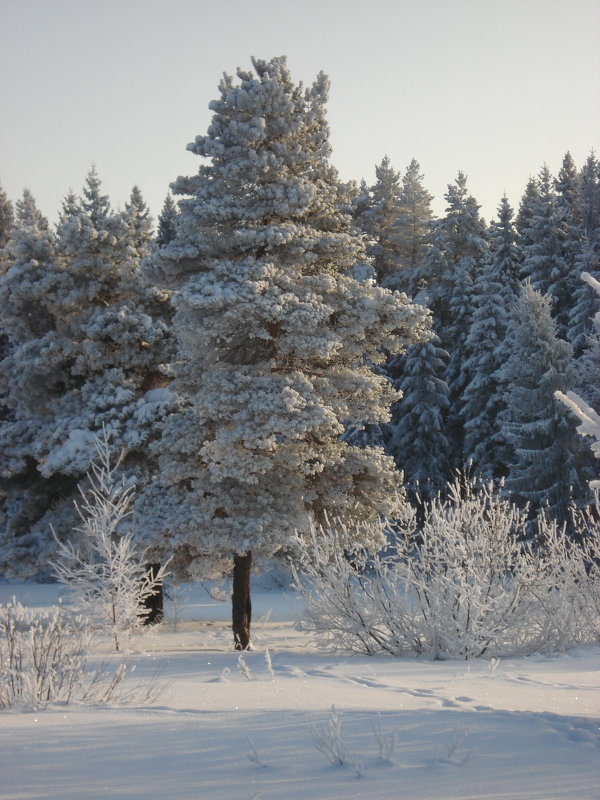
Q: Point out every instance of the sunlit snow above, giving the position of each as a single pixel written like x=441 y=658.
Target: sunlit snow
x=226 y=727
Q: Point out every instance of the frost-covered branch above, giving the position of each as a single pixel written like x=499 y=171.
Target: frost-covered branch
x=103 y=569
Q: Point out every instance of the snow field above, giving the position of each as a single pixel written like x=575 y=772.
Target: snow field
x=229 y=727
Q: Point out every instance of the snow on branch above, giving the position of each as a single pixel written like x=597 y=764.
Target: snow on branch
x=105 y=571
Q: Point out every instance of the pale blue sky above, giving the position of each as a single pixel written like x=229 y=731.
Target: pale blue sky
x=494 y=89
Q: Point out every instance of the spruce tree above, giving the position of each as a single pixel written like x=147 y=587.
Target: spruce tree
x=167 y=222
x=567 y=186
x=6 y=223
x=417 y=432
x=446 y=277
x=86 y=355
x=276 y=338
x=33 y=372
x=412 y=227
x=535 y=425
x=378 y=221
x=116 y=344
x=138 y=219
x=587 y=258
x=527 y=208
x=495 y=292
x=6 y=218
x=458 y=248
x=93 y=203
x=544 y=262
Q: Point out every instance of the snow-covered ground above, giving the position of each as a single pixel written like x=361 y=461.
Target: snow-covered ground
x=229 y=730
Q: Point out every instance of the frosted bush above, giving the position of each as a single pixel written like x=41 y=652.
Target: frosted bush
x=104 y=572
x=41 y=657
x=466 y=584
x=44 y=659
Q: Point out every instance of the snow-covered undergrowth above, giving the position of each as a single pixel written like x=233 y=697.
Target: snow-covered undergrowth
x=465 y=584
x=45 y=658
x=417 y=728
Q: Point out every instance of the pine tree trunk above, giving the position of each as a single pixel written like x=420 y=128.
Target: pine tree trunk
x=154 y=602
x=241 y=606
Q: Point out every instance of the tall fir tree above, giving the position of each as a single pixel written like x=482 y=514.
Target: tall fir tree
x=535 y=426
x=527 y=208
x=568 y=193
x=32 y=372
x=495 y=291
x=544 y=262
x=6 y=223
x=116 y=345
x=416 y=436
x=361 y=202
x=7 y=217
x=412 y=227
x=167 y=222
x=138 y=220
x=93 y=203
x=459 y=246
x=378 y=220
x=276 y=338
x=446 y=277
x=86 y=355
x=587 y=258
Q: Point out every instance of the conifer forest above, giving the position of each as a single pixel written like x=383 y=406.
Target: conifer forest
x=282 y=348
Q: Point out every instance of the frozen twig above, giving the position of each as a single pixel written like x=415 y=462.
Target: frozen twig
x=327 y=738
x=269 y=664
x=385 y=742
x=452 y=749
x=253 y=755
x=243 y=667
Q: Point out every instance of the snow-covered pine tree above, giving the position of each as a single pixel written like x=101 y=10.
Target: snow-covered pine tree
x=361 y=202
x=32 y=372
x=416 y=435
x=587 y=259
x=567 y=186
x=587 y=415
x=396 y=220
x=87 y=354
x=535 y=425
x=276 y=339
x=378 y=220
x=459 y=249
x=412 y=227
x=167 y=222
x=527 y=206
x=495 y=292
x=116 y=346
x=6 y=222
x=138 y=219
x=7 y=217
x=544 y=262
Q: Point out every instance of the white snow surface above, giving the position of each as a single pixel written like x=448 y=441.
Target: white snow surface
x=223 y=729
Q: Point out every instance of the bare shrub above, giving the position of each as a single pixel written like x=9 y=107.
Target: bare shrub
x=466 y=584
x=104 y=572
x=44 y=659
